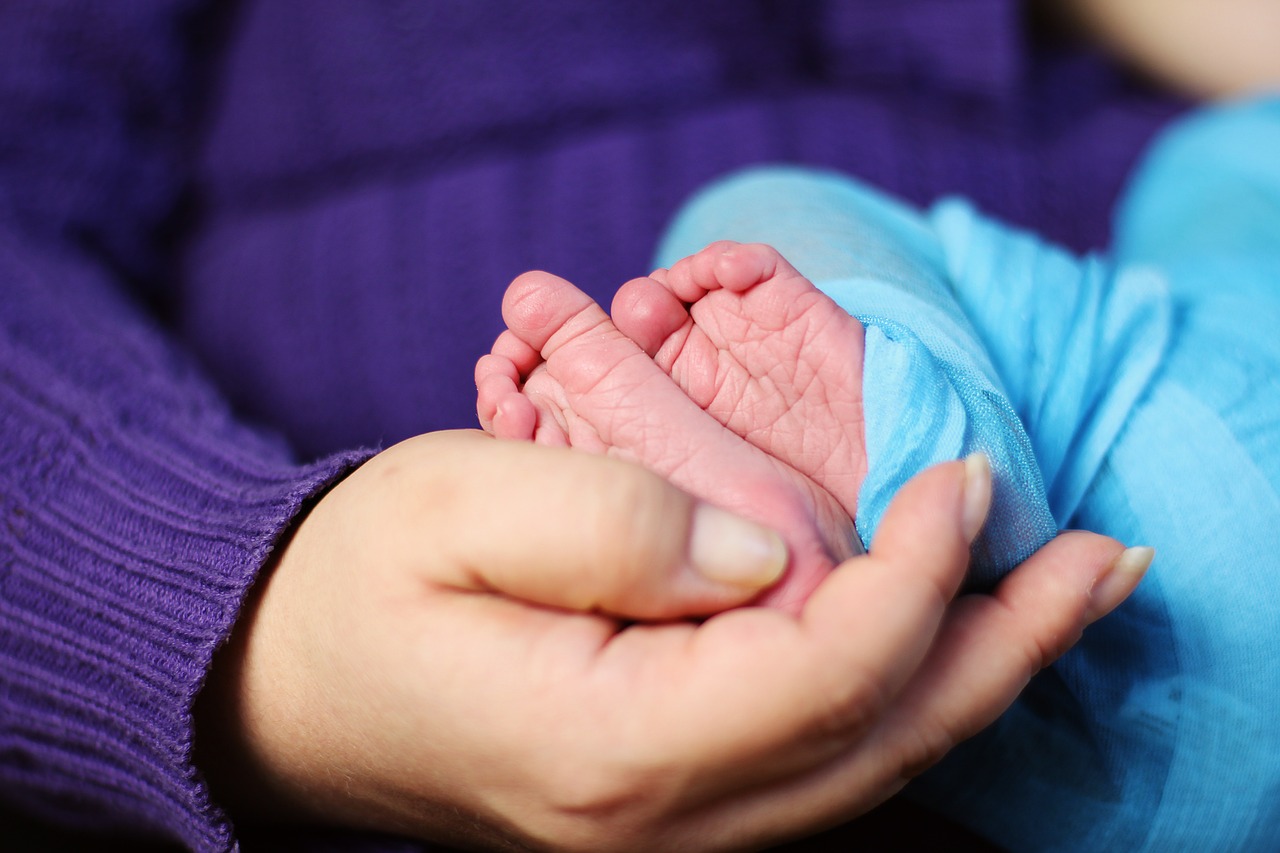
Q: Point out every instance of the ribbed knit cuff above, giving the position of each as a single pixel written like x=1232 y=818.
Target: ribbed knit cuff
x=113 y=605
x=135 y=513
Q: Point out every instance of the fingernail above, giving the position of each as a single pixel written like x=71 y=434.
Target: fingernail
x=977 y=494
x=728 y=549
x=1120 y=579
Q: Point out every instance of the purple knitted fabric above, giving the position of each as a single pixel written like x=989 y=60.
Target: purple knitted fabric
x=385 y=176
x=318 y=205
x=136 y=509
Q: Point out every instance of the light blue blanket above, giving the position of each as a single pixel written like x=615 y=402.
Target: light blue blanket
x=1136 y=394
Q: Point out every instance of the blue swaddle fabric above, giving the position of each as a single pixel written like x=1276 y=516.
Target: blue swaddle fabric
x=1075 y=341
x=1159 y=731
x=1149 y=387
x=930 y=393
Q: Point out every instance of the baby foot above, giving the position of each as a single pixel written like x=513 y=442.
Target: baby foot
x=764 y=352
x=562 y=374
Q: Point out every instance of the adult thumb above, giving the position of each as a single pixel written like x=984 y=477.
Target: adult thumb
x=582 y=532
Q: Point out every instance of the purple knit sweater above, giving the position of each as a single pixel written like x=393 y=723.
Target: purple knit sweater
x=237 y=238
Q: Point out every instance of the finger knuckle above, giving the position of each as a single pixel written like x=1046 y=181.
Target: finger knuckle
x=848 y=707
x=603 y=806
x=635 y=513
x=922 y=749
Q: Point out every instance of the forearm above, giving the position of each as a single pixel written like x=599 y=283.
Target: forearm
x=137 y=510
x=138 y=514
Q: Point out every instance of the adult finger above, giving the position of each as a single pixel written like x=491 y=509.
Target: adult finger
x=588 y=533
x=691 y=718
x=771 y=695
x=987 y=650
x=992 y=645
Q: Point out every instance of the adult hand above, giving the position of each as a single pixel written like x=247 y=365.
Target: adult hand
x=448 y=648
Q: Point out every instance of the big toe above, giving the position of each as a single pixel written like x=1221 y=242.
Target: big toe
x=582 y=351
x=539 y=307
x=648 y=314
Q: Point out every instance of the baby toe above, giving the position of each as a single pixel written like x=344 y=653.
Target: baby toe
x=515 y=418
x=648 y=313
x=538 y=305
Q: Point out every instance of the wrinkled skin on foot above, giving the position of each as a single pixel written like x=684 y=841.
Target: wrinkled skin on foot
x=761 y=350
x=749 y=397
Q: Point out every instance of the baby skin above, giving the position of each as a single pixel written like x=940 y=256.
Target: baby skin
x=729 y=374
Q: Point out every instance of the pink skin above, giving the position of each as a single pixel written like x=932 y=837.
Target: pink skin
x=749 y=399
x=763 y=351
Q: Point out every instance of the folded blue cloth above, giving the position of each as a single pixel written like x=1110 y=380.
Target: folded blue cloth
x=930 y=393
x=1137 y=395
